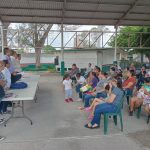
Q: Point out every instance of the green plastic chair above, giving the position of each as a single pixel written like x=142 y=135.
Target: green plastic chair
x=117 y=113
x=139 y=112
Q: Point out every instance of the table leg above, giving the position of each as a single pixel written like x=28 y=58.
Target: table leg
x=23 y=113
x=35 y=99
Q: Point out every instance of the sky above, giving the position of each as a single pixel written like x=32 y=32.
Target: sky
x=68 y=35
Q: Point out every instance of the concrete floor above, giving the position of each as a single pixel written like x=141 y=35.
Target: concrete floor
x=57 y=125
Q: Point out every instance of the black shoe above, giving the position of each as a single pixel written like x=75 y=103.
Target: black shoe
x=148 y=119
x=130 y=113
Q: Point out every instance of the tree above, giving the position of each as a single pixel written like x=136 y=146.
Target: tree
x=48 y=48
x=132 y=38
x=33 y=35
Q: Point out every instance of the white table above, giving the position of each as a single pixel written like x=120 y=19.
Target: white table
x=21 y=95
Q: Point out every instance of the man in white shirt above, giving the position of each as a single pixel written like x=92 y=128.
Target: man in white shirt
x=80 y=82
x=7 y=74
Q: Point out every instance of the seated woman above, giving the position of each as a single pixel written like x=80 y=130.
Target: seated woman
x=97 y=101
x=97 y=86
x=110 y=106
x=129 y=83
x=141 y=77
x=138 y=99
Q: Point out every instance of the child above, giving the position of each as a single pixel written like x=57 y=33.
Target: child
x=67 y=82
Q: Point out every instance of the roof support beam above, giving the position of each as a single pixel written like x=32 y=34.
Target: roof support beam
x=127 y=12
x=60 y=17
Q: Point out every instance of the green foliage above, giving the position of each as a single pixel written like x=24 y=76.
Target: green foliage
x=48 y=48
x=133 y=37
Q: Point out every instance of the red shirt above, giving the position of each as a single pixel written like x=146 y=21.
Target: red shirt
x=127 y=81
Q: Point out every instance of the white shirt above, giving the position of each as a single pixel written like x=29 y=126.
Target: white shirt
x=67 y=84
x=16 y=64
x=81 y=80
x=7 y=75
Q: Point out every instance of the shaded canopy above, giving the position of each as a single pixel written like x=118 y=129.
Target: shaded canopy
x=83 y=12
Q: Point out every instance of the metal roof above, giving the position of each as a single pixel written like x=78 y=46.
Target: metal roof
x=83 y=12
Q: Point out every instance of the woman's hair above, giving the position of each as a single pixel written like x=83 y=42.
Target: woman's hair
x=97 y=68
x=147 y=79
x=113 y=68
x=119 y=83
x=78 y=74
x=5 y=62
x=94 y=74
x=66 y=76
x=107 y=87
x=132 y=72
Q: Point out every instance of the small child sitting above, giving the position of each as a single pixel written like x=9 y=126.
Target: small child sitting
x=67 y=82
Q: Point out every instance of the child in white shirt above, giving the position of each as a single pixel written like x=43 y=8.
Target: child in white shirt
x=67 y=82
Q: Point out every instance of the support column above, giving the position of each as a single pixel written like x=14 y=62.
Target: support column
x=62 y=51
x=115 y=53
x=2 y=39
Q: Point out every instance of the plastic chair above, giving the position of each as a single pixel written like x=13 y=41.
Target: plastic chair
x=117 y=113
x=139 y=112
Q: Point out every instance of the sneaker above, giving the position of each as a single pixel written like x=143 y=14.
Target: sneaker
x=131 y=113
x=2 y=138
x=79 y=100
x=7 y=112
x=66 y=100
x=2 y=120
x=70 y=99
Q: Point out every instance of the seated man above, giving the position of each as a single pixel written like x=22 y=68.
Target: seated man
x=73 y=72
x=80 y=82
x=14 y=76
x=6 y=73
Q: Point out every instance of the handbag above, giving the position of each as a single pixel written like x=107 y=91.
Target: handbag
x=86 y=88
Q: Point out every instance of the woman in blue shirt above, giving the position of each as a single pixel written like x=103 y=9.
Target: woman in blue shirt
x=110 y=106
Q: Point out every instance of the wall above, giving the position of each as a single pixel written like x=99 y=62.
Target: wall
x=80 y=57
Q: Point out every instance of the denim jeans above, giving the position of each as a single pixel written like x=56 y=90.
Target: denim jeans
x=101 y=94
x=100 y=109
x=87 y=99
x=68 y=93
x=78 y=90
x=15 y=78
x=3 y=106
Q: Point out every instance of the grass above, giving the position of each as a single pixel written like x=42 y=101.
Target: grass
x=43 y=67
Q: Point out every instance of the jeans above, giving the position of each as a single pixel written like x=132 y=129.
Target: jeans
x=101 y=94
x=128 y=93
x=78 y=90
x=87 y=99
x=15 y=78
x=100 y=109
x=68 y=93
x=3 y=106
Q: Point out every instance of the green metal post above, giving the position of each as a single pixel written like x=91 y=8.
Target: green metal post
x=62 y=68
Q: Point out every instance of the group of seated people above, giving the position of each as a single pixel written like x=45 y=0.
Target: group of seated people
x=9 y=74
x=108 y=89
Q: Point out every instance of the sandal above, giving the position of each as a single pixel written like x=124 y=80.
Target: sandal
x=87 y=126
x=81 y=108
x=88 y=109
